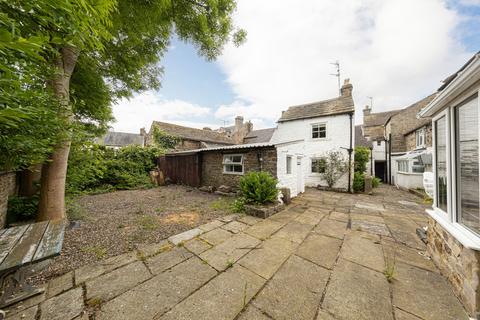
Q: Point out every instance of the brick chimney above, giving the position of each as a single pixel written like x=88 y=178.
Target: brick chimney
x=367 y=110
x=238 y=123
x=346 y=89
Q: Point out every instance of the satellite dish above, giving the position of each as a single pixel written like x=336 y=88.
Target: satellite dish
x=428 y=181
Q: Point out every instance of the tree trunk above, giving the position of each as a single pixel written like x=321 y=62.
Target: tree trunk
x=54 y=171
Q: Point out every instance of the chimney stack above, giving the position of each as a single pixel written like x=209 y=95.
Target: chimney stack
x=367 y=110
x=346 y=89
x=238 y=123
x=143 y=132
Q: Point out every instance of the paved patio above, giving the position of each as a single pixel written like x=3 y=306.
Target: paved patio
x=327 y=256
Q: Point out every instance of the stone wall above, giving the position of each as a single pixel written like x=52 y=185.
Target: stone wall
x=212 y=167
x=8 y=187
x=411 y=142
x=460 y=265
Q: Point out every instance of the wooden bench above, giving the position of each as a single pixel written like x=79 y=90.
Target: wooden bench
x=20 y=248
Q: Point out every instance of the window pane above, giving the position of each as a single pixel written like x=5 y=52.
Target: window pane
x=441 y=162
x=237 y=168
x=289 y=165
x=467 y=164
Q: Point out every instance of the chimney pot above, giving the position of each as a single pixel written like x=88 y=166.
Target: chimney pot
x=346 y=90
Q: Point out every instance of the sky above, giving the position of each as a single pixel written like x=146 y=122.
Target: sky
x=395 y=51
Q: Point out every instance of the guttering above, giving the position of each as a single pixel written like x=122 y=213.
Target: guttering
x=464 y=79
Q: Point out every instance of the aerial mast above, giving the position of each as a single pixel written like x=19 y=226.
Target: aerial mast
x=337 y=74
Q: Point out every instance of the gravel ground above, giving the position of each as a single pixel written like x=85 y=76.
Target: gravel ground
x=114 y=223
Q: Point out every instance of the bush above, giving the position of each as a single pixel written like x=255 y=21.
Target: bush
x=93 y=168
x=336 y=166
x=238 y=205
x=22 y=208
x=259 y=187
x=358 y=182
x=362 y=155
x=376 y=182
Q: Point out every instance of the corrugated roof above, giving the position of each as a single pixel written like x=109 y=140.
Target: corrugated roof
x=121 y=139
x=360 y=140
x=258 y=136
x=233 y=147
x=340 y=105
x=193 y=133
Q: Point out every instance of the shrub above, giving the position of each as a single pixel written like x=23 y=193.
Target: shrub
x=259 y=187
x=358 y=182
x=335 y=167
x=376 y=182
x=22 y=208
x=238 y=205
x=362 y=155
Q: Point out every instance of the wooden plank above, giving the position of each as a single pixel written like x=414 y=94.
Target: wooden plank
x=22 y=253
x=9 y=238
x=52 y=240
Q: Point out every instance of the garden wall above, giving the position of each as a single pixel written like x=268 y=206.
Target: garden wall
x=458 y=264
x=212 y=165
x=8 y=187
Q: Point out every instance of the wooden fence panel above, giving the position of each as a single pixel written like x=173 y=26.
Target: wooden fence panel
x=182 y=169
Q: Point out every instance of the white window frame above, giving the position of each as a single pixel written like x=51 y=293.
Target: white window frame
x=403 y=161
x=319 y=124
x=449 y=219
x=225 y=163
x=420 y=134
x=287 y=167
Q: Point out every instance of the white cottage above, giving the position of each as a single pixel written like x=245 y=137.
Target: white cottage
x=454 y=224
x=305 y=134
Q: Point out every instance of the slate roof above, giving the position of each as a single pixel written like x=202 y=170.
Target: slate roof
x=360 y=140
x=340 y=105
x=257 y=136
x=408 y=116
x=378 y=118
x=121 y=139
x=193 y=133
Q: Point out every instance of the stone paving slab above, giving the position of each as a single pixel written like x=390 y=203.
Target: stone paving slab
x=211 y=225
x=60 y=284
x=340 y=216
x=149 y=250
x=310 y=217
x=320 y=249
x=216 y=236
x=249 y=219
x=222 y=298
x=27 y=303
x=92 y=271
x=116 y=282
x=235 y=226
x=157 y=295
x=425 y=294
x=197 y=246
x=371 y=227
x=400 y=253
x=65 y=306
x=404 y=231
x=264 y=229
x=167 y=259
x=357 y=293
x=228 y=252
x=363 y=249
x=28 y=314
x=402 y=315
x=323 y=315
x=252 y=313
x=332 y=228
x=294 y=292
x=293 y=231
x=267 y=258
x=185 y=236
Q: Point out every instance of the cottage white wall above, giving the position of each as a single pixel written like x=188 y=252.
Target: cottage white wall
x=295 y=138
x=379 y=151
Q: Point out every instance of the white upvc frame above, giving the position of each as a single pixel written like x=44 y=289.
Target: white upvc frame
x=318 y=124
x=288 y=156
x=421 y=132
x=233 y=163
x=449 y=220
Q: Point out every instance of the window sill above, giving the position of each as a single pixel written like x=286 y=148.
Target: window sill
x=411 y=173
x=459 y=232
x=234 y=173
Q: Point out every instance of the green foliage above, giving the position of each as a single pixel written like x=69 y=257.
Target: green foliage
x=259 y=187
x=164 y=140
x=362 y=156
x=358 y=182
x=94 y=168
x=22 y=208
x=376 y=182
x=238 y=206
x=336 y=167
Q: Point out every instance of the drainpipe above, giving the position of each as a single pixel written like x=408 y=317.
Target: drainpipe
x=350 y=151
x=385 y=169
x=390 y=159
x=371 y=161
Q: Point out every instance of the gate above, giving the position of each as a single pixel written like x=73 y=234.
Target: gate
x=182 y=169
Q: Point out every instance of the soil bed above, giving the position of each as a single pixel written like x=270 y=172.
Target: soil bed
x=117 y=222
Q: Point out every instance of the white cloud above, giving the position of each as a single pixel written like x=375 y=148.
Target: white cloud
x=396 y=51
x=142 y=109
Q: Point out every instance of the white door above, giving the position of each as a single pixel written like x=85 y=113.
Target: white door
x=299 y=175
